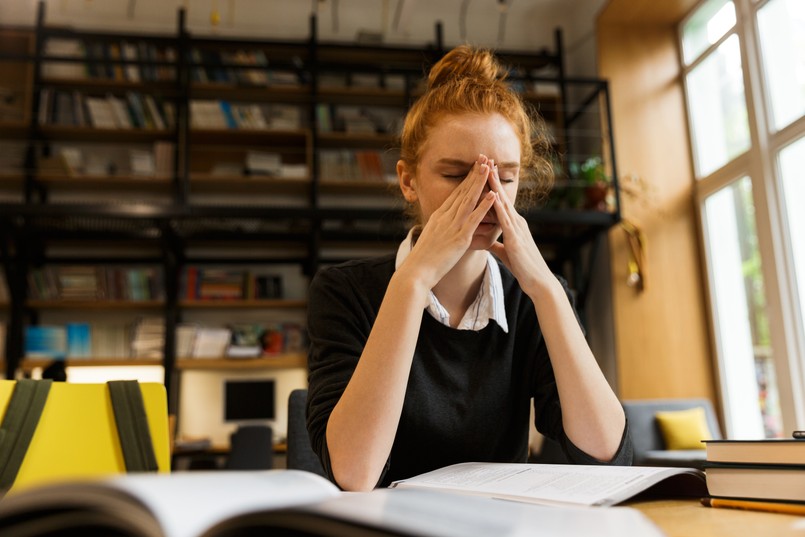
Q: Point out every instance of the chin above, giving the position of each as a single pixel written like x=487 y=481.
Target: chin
x=484 y=240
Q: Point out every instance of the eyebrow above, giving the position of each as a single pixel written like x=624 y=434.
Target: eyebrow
x=459 y=162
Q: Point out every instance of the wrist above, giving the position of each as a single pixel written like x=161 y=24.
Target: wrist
x=545 y=289
x=405 y=283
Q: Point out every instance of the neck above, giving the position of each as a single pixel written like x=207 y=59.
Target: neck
x=458 y=288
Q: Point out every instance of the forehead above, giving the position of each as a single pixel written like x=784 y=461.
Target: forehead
x=465 y=136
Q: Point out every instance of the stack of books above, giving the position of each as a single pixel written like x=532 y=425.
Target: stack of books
x=756 y=473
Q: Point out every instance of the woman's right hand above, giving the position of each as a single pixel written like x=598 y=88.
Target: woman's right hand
x=448 y=232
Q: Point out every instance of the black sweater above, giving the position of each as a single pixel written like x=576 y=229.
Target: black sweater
x=468 y=392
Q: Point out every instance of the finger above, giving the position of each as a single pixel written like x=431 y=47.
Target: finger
x=476 y=180
x=469 y=190
x=504 y=217
x=477 y=215
x=498 y=186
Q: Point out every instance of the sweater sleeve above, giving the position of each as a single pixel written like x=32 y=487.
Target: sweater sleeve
x=548 y=411
x=339 y=322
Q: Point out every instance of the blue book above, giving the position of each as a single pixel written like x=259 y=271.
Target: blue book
x=78 y=340
x=46 y=342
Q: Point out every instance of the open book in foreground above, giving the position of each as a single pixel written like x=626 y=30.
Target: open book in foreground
x=560 y=484
x=288 y=502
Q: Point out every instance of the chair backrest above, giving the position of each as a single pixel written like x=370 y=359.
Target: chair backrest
x=251 y=448
x=643 y=428
x=300 y=455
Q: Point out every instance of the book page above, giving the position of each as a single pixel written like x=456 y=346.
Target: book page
x=546 y=483
x=188 y=503
x=183 y=504
x=439 y=514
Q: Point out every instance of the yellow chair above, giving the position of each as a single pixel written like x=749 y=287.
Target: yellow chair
x=77 y=435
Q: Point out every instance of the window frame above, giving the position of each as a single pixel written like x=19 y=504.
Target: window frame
x=761 y=164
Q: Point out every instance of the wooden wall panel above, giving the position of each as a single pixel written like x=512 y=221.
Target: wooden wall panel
x=662 y=337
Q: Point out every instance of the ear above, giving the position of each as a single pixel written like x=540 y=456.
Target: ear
x=407 y=182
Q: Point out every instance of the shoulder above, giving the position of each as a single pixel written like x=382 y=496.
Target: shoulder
x=366 y=270
x=362 y=277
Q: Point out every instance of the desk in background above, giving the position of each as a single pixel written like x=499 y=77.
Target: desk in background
x=689 y=518
x=213 y=457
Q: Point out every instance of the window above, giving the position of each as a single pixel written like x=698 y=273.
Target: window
x=744 y=69
x=781 y=31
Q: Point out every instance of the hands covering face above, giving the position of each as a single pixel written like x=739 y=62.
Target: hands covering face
x=460 y=223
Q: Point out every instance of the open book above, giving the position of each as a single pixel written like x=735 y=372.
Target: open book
x=287 y=502
x=560 y=484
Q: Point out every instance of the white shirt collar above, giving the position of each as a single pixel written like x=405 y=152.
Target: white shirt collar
x=487 y=305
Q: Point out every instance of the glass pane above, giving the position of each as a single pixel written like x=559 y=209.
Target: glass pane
x=781 y=25
x=718 y=108
x=793 y=178
x=749 y=383
x=707 y=25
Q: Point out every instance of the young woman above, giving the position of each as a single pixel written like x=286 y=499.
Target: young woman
x=431 y=356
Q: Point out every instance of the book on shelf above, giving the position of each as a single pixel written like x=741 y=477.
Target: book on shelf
x=79 y=340
x=765 y=451
x=90 y=283
x=263 y=163
x=63 y=48
x=211 y=342
x=230 y=284
x=559 y=484
x=185 y=337
x=46 y=341
x=774 y=482
x=148 y=339
x=288 y=502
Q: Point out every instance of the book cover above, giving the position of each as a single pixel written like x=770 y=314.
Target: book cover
x=778 y=482
x=763 y=451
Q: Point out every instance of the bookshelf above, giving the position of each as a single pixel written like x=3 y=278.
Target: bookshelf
x=236 y=153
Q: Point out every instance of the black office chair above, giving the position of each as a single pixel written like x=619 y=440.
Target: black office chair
x=251 y=448
x=300 y=455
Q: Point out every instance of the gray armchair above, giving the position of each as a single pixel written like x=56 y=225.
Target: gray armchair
x=649 y=446
x=300 y=455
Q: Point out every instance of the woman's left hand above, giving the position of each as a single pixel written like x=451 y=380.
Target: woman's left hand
x=519 y=252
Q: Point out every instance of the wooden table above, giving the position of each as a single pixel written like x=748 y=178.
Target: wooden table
x=689 y=518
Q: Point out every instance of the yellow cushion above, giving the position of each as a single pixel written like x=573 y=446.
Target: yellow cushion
x=684 y=429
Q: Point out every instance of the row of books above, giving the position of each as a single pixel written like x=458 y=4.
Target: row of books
x=134 y=111
x=145 y=339
x=143 y=162
x=358 y=119
x=764 y=474
x=230 y=67
x=88 y=282
x=357 y=165
x=222 y=114
x=105 y=60
x=230 y=284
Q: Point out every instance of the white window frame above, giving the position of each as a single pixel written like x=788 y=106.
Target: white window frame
x=760 y=163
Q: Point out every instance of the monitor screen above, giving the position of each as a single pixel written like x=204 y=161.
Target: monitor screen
x=248 y=400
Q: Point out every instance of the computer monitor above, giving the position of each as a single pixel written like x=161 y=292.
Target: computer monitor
x=248 y=400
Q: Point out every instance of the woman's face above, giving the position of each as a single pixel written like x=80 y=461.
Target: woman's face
x=452 y=147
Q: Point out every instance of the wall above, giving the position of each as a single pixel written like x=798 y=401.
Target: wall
x=661 y=334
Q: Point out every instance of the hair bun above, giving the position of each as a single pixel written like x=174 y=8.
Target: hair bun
x=465 y=62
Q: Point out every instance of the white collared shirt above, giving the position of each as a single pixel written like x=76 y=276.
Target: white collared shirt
x=487 y=305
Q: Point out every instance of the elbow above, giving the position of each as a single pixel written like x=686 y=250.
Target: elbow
x=355 y=480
